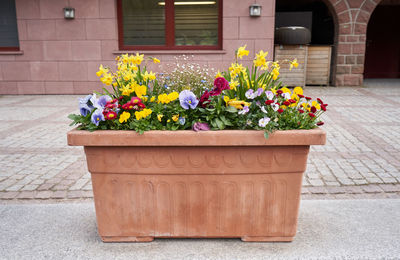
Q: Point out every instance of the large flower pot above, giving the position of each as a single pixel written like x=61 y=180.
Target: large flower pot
x=197 y=184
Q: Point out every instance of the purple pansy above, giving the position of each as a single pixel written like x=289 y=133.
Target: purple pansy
x=244 y=111
x=250 y=94
x=85 y=105
x=97 y=116
x=259 y=92
x=201 y=127
x=100 y=102
x=188 y=99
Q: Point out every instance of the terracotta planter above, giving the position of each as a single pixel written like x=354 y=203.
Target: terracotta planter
x=197 y=184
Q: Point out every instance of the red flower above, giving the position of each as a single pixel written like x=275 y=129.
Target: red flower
x=110 y=106
x=135 y=100
x=308 y=98
x=280 y=110
x=301 y=96
x=292 y=101
x=110 y=115
x=204 y=98
x=220 y=84
x=320 y=123
x=128 y=106
x=141 y=105
x=120 y=98
x=320 y=101
x=279 y=92
x=301 y=111
x=311 y=115
x=269 y=102
x=114 y=101
x=323 y=107
x=286 y=103
x=313 y=109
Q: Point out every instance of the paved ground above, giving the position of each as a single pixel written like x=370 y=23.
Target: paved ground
x=332 y=229
x=361 y=158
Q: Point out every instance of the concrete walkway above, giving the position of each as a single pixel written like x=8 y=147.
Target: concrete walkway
x=330 y=229
x=360 y=160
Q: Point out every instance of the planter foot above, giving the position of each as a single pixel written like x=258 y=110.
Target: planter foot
x=267 y=239
x=126 y=239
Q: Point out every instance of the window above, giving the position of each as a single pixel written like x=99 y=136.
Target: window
x=8 y=26
x=169 y=24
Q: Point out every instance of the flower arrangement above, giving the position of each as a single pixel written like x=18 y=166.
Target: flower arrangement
x=240 y=98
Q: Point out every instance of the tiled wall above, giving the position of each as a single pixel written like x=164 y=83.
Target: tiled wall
x=60 y=56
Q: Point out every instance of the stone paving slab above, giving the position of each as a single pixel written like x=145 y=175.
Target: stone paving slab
x=334 y=229
x=360 y=160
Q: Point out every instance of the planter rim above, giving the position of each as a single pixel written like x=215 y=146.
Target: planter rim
x=76 y=137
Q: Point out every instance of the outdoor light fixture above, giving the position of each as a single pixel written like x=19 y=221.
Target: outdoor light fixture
x=69 y=13
x=191 y=3
x=255 y=10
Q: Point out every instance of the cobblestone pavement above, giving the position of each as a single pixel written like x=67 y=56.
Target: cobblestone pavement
x=360 y=160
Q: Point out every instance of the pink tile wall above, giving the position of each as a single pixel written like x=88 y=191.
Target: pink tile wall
x=61 y=56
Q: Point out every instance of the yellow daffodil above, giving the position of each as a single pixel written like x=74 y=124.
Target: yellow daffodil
x=126 y=90
x=137 y=59
x=275 y=74
x=149 y=76
x=101 y=71
x=233 y=84
x=175 y=117
x=107 y=79
x=219 y=75
x=260 y=59
x=242 y=52
x=156 y=61
x=124 y=117
x=293 y=63
x=159 y=117
x=125 y=58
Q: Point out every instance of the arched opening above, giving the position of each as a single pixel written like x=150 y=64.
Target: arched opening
x=319 y=17
x=382 y=55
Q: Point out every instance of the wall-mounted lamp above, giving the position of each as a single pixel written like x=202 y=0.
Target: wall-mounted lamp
x=255 y=10
x=69 y=13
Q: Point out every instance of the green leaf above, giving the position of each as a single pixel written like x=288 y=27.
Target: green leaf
x=231 y=109
x=219 y=123
x=225 y=121
x=266 y=135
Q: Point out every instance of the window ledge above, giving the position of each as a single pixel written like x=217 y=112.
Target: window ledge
x=119 y=52
x=11 y=52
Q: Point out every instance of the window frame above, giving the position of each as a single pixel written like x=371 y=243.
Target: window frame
x=12 y=48
x=169 y=31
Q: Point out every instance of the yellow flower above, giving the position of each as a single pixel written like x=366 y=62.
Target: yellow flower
x=149 y=76
x=144 y=99
x=107 y=79
x=163 y=99
x=234 y=84
x=101 y=71
x=286 y=90
x=294 y=64
x=316 y=105
x=126 y=90
x=124 y=117
x=298 y=91
x=143 y=114
x=226 y=99
x=155 y=60
x=159 y=117
x=260 y=59
x=306 y=106
x=152 y=99
x=175 y=117
x=242 y=51
x=275 y=73
x=239 y=104
x=137 y=59
x=236 y=68
x=219 y=75
x=172 y=96
x=140 y=90
x=124 y=58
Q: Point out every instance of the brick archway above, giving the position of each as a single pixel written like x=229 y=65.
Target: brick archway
x=353 y=17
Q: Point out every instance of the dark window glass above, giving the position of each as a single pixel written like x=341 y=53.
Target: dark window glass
x=169 y=24
x=143 y=22
x=8 y=25
x=196 y=22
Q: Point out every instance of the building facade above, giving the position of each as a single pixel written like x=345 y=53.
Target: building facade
x=46 y=53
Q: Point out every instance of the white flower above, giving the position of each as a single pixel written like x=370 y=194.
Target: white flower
x=250 y=94
x=264 y=110
x=263 y=121
x=244 y=111
x=286 y=95
x=275 y=107
x=269 y=95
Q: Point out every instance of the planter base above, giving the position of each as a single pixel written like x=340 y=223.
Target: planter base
x=126 y=239
x=267 y=239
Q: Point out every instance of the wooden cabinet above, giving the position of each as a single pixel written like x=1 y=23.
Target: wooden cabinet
x=314 y=64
